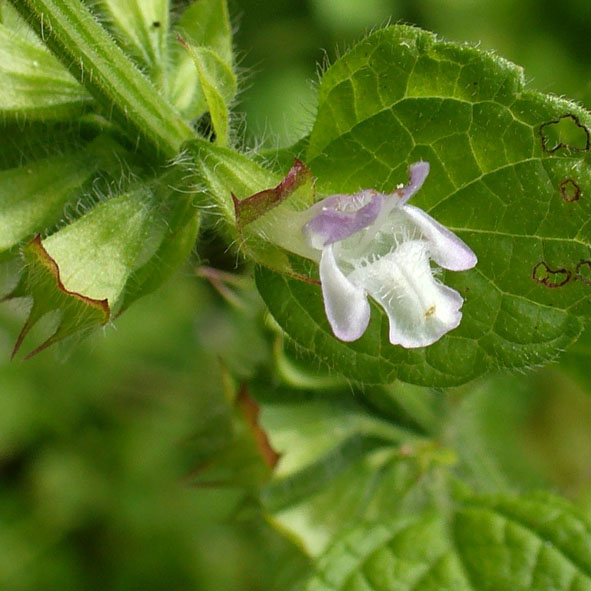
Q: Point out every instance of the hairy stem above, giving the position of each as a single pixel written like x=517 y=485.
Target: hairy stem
x=71 y=32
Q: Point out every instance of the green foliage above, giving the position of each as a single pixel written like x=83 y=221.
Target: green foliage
x=218 y=84
x=204 y=25
x=223 y=444
x=531 y=542
x=130 y=244
x=91 y=55
x=96 y=253
x=99 y=471
x=499 y=180
x=418 y=490
x=141 y=29
x=42 y=283
x=34 y=84
x=269 y=217
x=178 y=218
x=33 y=195
x=341 y=465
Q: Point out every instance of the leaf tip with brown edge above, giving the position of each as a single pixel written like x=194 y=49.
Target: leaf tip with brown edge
x=251 y=410
x=42 y=282
x=251 y=208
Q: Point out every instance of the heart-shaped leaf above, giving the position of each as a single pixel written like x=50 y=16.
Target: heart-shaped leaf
x=509 y=175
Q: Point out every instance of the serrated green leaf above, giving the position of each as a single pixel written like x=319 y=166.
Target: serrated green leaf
x=34 y=85
x=508 y=169
x=141 y=28
x=531 y=543
x=298 y=308
x=409 y=552
x=205 y=23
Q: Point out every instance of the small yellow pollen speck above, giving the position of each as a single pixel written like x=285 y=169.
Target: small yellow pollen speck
x=430 y=311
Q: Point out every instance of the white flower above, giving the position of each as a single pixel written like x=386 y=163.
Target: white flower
x=374 y=243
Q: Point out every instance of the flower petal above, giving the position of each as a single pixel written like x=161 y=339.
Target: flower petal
x=346 y=305
x=420 y=309
x=446 y=249
x=417 y=174
x=340 y=216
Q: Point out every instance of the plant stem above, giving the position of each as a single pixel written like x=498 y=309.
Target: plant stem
x=72 y=33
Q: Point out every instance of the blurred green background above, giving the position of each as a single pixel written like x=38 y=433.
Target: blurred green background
x=286 y=43
x=99 y=439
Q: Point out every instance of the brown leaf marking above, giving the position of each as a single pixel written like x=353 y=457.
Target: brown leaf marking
x=303 y=278
x=51 y=266
x=250 y=209
x=546 y=139
x=583 y=272
x=251 y=411
x=570 y=191
x=543 y=274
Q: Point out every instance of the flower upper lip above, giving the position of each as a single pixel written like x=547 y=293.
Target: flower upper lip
x=333 y=223
x=374 y=243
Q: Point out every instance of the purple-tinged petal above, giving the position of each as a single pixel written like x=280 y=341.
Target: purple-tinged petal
x=340 y=216
x=346 y=305
x=417 y=174
x=446 y=249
